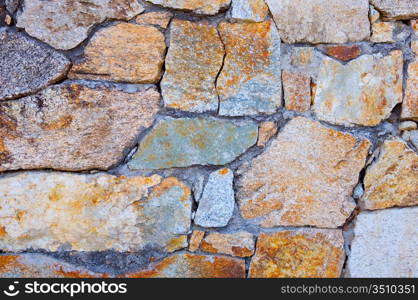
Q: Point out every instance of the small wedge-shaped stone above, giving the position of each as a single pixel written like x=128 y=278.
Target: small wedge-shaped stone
x=236 y=244
x=299 y=253
x=51 y=210
x=185 y=142
x=204 y=7
x=65 y=24
x=250 y=80
x=124 y=52
x=193 y=62
x=304 y=177
x=249 y=10
x=26 y=65
x=392 y=180
x=73 y=126
x=321 y=21
x=396 y=9
x=362 y=92
x=410 y=102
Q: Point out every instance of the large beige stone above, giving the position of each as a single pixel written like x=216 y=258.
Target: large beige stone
x=362 y=92
x=205 y=7
x=51 y=211
x=321 y=21
x=124 y=52
x=305 y=177
x=73 y=126
x=392 y=180
x=396 y=9
x=65 y=24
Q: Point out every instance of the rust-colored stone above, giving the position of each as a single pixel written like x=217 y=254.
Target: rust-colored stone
x=344 y=53
x=161 y=19
x=236 y=244
x=297 y=91
x=266 y=131
x=410 y=102
x=195 y=240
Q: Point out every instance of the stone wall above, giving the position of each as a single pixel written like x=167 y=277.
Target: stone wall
x=217 y=138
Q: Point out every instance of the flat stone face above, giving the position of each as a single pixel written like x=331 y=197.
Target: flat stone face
x=250 y=80
x=236 y=244
x=321 y=21
x=410 y=103
x=397 y=9
x=73 y=127
x=195 y=240
x=66 y=23
x=205 y=7
x=193 y=62
x=185 y=142
x=249 y=10
x=392 y=180
x=124 y=52
x=297 y=91
x=266 y=132
x=343 y=52
x=161 y=19
x=187 y=265
x=362 y=92
x=27 y=66
x=385 y=244
x=299 y=253
x=305 y=177
x=48 y=210
x=216 y=204
x=383 y=32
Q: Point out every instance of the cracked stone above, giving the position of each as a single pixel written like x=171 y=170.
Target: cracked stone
x=81 y=212
x=396 y=9
x=27 y=66
x=124 y=53
x=204 y=7
x=410 y=103
x=236 y=244
x=249 y=10
x=185 y=142
x=65 y=24
x=297 y=91
x=385 y=244
x=266 y=132
x=216 y=205
x=343 y=52
x=299 y=253
x=187 y=88
x=73 y=126
x=392 y=180
x=383 y=32
x=362 y=92
x=319 y=21
x=305 y=177
x=157 y=18
x=195 y=240
x=250 y=80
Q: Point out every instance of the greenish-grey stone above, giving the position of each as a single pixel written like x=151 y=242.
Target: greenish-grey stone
x=185 y=142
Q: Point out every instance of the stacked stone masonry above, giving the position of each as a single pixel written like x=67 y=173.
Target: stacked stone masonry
x=217 y=138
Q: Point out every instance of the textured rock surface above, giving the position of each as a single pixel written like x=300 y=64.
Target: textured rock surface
x=249 y=82
x=73 y=127
x=66 y=23
x=195 y=240
x=396 y=9
x=297 y=91
x=266 y=132
x=193 y=62
x=362 y=92
x=46 y=210
x=321 y=21
x=299 y=253
x=205 y=7
x=187 y=141
x=216 y=204
x=392 y=180
x=385 y=244
x=157 y=18
x=236 y=244
x=305 y=177
x=186 y=265
x=26 y=65
x=124 y=52
x=410 y=103
x=383 y=32
x=249 y=10
x=343 y=52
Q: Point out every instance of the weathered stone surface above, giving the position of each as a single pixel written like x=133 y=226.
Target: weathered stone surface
x=72 y=126
x=385 y=244
x=249 y=10
x=321 y=21
x=299 y=253
x=50 y=210
x=216 y=204
x=362 y=92
x=27 y=66
x=236 y=244
x=186 y=265
x=12 y=5
x=392 y=180
x=193 y=62
x=297 y=91
x=157 y=18
x=39 y=266
x=407 y=125
x=124 y=52
x=250 y=80
x=195 y=240
x=414 y=25
x=374 y=15
x=305 y=177
x=396 y=9
x=343 y=52
x=185 y=142
x=302 y=56
x=410 y=103
x=65 y=24
x=383 y=32
x=205 y=7
x=266 y=132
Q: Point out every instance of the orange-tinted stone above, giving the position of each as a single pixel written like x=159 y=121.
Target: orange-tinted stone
x=297 y=91
x=266 y=131
x=410 y=103
x=195 y=240
x=205 y=7
x=236 y=244
x=161 y=19
x=344 y=53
